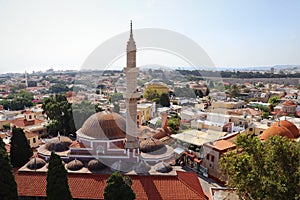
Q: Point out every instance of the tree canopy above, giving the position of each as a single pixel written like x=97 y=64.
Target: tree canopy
x=17 y=101
x=164 y=100
x=233 y=91
x=59 y=88
x=116 y=97
x=274 y=100
x=59 y=110
x=82 y=111
x=151 y=94
x=263 y=170
x=184 y=92
x=57 y=181
x=118 y=188
x=8 y=184
x=20 y=151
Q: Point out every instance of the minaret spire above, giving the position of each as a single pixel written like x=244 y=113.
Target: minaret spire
x=131 y=35
x=131 y=47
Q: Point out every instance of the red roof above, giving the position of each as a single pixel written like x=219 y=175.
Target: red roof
x=21 y=122
x=221 y=145
x=289 y=103
x=91 y=186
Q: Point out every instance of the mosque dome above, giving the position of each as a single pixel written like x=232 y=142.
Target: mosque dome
x=75 y=165
x=150 y=145
x=36 y=163
x=283 y=128
x=95 y=165
x=104 y=125
x=291 y=126
x=58 y=144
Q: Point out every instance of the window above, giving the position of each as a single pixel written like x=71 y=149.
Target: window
x=250 y=129
x=212 y=158
x=30 y=117
x=207 y=156
x=34 y=140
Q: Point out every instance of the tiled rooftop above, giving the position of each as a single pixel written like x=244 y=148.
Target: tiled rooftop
x=91 y=186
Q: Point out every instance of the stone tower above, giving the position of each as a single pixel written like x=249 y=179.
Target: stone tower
x=131 y=95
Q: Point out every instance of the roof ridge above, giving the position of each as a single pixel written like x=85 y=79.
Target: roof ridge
x=179 y=176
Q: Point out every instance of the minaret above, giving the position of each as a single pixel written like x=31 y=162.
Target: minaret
x=26 y=79
x=131 y=95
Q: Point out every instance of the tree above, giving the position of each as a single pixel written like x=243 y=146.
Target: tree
x=207 y=91
x=164 y=100
x=59 y=88
x=116 y=108
x=17 y=101
x=263 y=170
x=57 y=180
x=82 y=111
x=233 y=91
x=199 y=93
x=116 y=97
x=184 y=92
x=7 y=181
x=118 y=187
x=151 y=94
x=20 y=151
x=274 y=100
x=59 y=110
x=6 y=126
x=174 y=123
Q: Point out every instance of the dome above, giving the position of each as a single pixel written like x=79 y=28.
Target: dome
x=36 y=163
x=291 y=126
x=283 y=128
x=141 y=167
x=74 y=165
x=163 y=167
x=121 y=165
x=95 y=165
x=150 y=145
x=104 y=125
x=58 y=144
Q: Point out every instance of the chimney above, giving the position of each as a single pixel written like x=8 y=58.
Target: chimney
x=164 y=120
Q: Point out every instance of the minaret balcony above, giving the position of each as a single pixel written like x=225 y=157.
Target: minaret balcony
x=131 y=70
x=134 y=95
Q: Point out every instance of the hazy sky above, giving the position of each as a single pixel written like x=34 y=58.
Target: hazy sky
x=39 y=34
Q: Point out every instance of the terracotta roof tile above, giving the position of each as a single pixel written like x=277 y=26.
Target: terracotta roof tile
x=91 y=186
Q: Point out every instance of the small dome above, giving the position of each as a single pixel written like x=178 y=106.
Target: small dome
x=75 y=165
x=95 y=165
x=36 y=163
x=163 y=167
x=283 y=128
x=104 y=125
x=141 y=167
x=121 y=165
x=58 y=144
x=150 y=145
